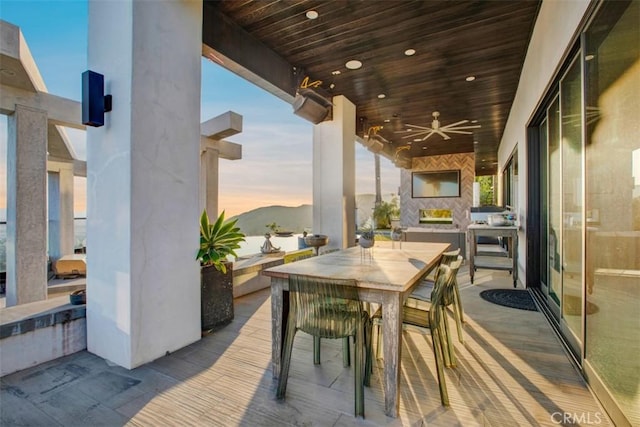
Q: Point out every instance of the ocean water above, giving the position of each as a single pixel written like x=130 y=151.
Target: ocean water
x=251 y=246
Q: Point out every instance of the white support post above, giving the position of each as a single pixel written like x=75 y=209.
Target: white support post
x=209 y=165
x=26 y=206
x=61 y=227
x=334 y=175
x=143 y=282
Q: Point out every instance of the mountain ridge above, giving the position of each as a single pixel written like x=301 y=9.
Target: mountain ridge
x=297 y=219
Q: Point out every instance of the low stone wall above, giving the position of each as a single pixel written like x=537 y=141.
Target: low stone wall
x=247 y=271
x=34 y=333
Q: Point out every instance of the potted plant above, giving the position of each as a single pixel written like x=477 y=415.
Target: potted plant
x=218 y=241
x=367 y=238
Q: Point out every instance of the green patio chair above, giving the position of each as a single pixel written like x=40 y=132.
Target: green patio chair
x=423 y=293
x=446 y=259
x=327 y=308
x=431 y=320
x=414 y=311
x=346 y=349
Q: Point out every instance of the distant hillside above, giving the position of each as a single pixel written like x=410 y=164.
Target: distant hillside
x=296 y=219
x=300 y=218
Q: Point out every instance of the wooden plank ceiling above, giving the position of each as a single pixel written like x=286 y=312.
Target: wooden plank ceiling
x=452 y=40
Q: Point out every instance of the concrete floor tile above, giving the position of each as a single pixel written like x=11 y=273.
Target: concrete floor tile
x=15 y=410
x=72 y=407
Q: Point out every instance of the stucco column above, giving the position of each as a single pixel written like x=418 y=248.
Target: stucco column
x=143 y=283
x=209 y=165
x=334 y=180
x=61 y=227
x=26 y=206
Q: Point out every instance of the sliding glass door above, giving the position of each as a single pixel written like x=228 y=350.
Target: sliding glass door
x=562 y=182
x=612 y=104
x=588 y=158
x=554 y=200
x=572 y=197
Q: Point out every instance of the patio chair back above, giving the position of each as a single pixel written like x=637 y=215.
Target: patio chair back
x=327 y=308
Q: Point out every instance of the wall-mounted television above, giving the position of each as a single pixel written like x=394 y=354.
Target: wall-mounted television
x=435 y=184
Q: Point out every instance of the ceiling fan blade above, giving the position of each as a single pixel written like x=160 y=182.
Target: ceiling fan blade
x=462 y=127
x=428 y=135
x=416 y=134
x=443 y=135
x=455 y=124
x=416 y=126
x=464 y=132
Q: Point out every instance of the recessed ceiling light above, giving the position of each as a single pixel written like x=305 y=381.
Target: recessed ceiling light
x=312 y=14
x=354 y=64
x=336 y=72
x=475 y=142
x=387 y=120
x=382 y=95
x=589 y=57
x=474 y=121
x=470 y=78
x=410 y=52
x=424 y=148
x=484 y=160
x=417 y=139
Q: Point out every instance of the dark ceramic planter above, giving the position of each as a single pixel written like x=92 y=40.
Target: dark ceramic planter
x=78 y=297
x=216 y=297
x=366 y=243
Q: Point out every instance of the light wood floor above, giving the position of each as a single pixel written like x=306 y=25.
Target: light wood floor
x=511 y=371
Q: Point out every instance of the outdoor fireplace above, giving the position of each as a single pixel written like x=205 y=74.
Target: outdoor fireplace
x=436 y=216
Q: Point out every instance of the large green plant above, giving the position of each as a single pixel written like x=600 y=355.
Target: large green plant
x=385 y=212
x=218 y=241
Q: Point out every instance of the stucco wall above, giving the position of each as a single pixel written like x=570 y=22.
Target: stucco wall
x=555 y=31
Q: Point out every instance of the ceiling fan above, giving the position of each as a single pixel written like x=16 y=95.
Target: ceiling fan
x=415 y=131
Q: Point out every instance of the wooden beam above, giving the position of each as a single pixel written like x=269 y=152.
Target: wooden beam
x=225 y=43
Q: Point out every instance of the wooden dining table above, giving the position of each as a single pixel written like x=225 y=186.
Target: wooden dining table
x=383 y=275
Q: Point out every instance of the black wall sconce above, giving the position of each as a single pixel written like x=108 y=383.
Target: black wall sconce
x=94 y=102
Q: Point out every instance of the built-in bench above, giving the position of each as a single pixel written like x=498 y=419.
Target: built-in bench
x=247 y=270
x=34 y=333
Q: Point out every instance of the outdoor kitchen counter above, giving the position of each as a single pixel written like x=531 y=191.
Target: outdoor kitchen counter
x=497 y=261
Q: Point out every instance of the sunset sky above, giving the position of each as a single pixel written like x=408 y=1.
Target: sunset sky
x=275 y=168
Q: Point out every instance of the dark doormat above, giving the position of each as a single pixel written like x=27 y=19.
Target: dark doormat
x=514 y=298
